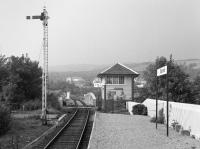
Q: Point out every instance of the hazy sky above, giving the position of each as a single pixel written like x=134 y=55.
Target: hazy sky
x=102 y=31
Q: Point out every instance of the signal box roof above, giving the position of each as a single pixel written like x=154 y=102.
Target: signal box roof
x=118 y=69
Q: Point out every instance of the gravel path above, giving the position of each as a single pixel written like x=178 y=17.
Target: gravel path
x=117 y=131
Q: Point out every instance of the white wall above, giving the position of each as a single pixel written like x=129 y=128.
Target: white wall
x=188 y=115
x=151 y=105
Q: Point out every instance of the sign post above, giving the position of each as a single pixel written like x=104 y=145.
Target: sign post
x=105 y=108
x=98 y=84
x=167 y=106
x=163 y=71
x=156 y=102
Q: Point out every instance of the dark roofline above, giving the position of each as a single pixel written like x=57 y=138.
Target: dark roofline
x=102 y=75
x=129 y=72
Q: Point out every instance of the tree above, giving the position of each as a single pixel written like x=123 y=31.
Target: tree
x=179 y=84
x=150 y=76
x=196 y=89
x=3 y=72
x=24 y=79
x=5 y=119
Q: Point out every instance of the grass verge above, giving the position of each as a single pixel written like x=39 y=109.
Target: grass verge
x=22 y=132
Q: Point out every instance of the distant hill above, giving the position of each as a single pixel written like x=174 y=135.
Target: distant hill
x=75 y=67
x=87 y=67
x=191 y=67
x=89 y=72
x=190 y=62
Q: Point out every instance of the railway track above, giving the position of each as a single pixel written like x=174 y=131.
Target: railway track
x=86 y=135
x=70 y=136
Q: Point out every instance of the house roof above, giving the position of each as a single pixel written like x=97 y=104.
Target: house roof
x=90 y=94
x=118 y=69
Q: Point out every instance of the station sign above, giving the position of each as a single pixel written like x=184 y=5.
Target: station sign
x=162 y=71
x=98 y=85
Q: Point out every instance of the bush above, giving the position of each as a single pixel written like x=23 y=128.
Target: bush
x=33 y=105
x=5 y=119
x=153 y=119
x=174 y=123
x=178 y=127
x=161 y=117
x=52 y=101
x=140 y=109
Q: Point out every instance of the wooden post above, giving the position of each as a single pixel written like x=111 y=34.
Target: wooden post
x=17 y=141
x=113 y=105
x=132 y=88
x=12 y=142
x=98 y=105
x=105 y=98
x=156 y=102
x=167 y=106
x=164 y=71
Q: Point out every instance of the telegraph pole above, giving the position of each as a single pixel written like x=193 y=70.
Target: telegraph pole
x=44 y=18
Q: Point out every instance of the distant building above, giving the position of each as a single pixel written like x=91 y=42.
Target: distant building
x=69 y=80
x=117 y=83
x=78 y=81
x=90 y=99
x=140 y=82
x=64 y=99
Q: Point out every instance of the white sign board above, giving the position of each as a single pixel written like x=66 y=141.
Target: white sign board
x=162 y=71
x=97 y=84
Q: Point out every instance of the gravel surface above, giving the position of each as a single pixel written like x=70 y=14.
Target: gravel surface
x=118 y=131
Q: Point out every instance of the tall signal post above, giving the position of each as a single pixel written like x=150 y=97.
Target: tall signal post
x=44 y=18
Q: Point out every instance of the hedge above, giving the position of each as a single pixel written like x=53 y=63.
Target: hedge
x=140 y=109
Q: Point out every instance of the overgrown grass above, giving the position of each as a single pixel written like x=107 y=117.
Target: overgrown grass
x=22 y=131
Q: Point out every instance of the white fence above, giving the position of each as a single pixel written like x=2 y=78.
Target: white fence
x=188 y=115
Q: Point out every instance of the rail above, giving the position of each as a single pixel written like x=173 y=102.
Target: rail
x=76 y=126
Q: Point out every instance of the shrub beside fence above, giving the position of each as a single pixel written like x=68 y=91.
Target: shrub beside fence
x=5 y=119
x=140 y=109
x=160 y=118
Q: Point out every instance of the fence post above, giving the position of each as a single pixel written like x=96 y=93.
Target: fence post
x=113 y=105
x=12 y=143
x=105 y=107
x=17 y=141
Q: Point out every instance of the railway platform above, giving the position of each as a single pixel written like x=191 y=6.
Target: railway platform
x=119 y=131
